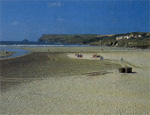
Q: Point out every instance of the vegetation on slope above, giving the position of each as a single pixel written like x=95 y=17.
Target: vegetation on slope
x=137 y=39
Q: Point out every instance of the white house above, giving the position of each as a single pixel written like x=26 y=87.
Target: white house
x=119 y=38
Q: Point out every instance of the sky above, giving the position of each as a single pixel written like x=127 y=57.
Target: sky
x=29 y=19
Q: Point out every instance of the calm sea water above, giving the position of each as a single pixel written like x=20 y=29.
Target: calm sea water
x=20 y=52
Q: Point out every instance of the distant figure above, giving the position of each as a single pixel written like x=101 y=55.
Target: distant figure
x=101 y=59
x=121 y=59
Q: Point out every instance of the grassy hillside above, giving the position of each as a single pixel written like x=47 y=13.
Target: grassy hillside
x=67 y=38
x=136 y=39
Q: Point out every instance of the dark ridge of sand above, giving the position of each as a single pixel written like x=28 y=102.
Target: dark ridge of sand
x=42 y=65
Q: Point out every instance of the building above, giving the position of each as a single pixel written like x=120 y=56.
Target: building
x=123 y=37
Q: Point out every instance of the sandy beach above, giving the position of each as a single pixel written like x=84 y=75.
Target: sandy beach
x=57 y=82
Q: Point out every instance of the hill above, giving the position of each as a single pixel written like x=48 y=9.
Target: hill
x=134 y=39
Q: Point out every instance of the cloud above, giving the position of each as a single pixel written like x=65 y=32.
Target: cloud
x=54 y=4
x=14 y=23
x=60 y=19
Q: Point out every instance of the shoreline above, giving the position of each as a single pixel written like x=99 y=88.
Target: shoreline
x=14 y=52
x=6 y=54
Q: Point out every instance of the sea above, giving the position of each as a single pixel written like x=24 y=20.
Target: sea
x=14 y=46
x=36 y=44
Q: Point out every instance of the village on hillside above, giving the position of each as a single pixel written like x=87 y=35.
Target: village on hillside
x=131 y=36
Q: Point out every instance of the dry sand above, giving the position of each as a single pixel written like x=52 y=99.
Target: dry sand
x=110 y=94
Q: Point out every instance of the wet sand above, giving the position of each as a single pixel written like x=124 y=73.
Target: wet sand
x=73 y=91
x=6 y=53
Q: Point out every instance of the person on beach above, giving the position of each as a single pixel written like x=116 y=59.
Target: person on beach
x=101 y=59
x=121 y=59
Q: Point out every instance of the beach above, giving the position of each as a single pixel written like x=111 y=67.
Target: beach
x=5 y=53
x=52 y=80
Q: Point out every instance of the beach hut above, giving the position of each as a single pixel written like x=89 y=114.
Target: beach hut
x=121 y=70
x=128 y=70
x=125 y=70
